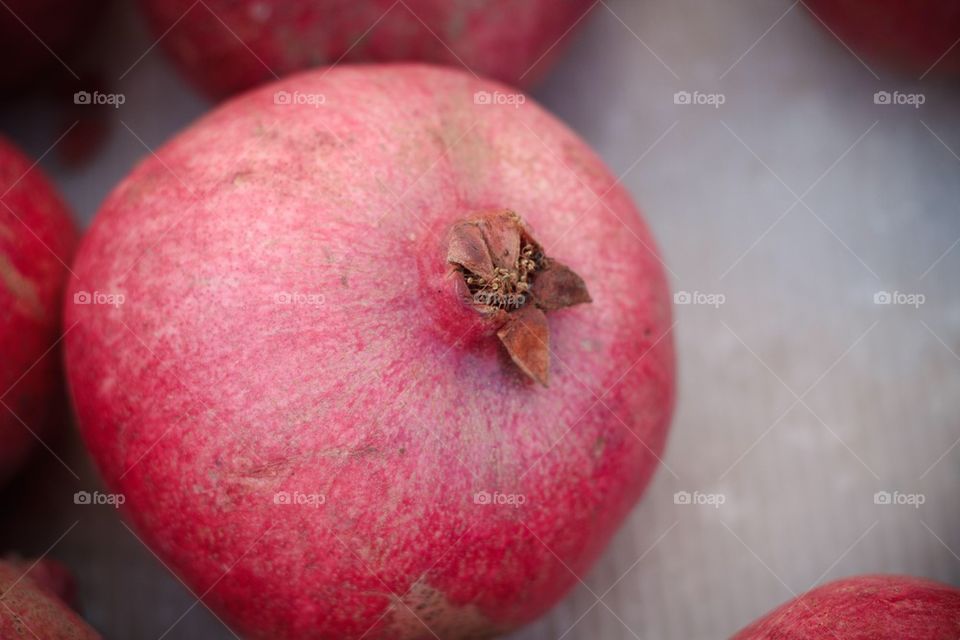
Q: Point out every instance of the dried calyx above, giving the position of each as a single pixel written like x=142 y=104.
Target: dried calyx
x=507 y=278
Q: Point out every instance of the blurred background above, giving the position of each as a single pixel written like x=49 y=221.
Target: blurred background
x=810 y=228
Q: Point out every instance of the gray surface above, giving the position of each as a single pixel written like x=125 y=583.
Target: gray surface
x=877 y=385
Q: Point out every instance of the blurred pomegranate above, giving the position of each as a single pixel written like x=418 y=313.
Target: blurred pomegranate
x=865 y=608
x=32 y=604
x=37 y=239
x=225 y=46
x=914 y=36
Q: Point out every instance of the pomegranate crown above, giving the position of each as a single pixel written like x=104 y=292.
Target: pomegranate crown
x=509 y=280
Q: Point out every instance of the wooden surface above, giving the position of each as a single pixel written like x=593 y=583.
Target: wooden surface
x=797 y=200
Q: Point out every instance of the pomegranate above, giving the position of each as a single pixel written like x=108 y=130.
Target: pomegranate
x=225 y=46
x=36 y=243
x=49 y=574
x=916 y=37
x=865 y=608
x=32 y=605
x=397 y=362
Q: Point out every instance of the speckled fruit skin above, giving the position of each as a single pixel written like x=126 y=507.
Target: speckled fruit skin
x=907 y=36
x=37 y=239
x=514 y=41
x=880 y=607
x=32 y=606
x=291 y=331
x=49 y=574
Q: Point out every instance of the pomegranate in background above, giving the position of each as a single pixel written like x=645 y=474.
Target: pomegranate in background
x=33 y=606
x=226 y=46
x=393 y=358
x=865 y=608
x=49 y=574
x=37 y=239
x=915 y=36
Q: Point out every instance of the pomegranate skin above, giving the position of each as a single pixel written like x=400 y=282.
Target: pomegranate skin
x=879 y=607
x=37 y=239
x=231 y=45
x=32 y=607
x=914 y=37
x=291 y=330
x=50 y=575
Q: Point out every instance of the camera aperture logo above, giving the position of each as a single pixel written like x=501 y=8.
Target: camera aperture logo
x=514 y=500
x=899 y=298
x=99 y=298
x=499 y=98
x=699 y=98
x=699 y=298
x=97 y=98
x=896 y=498
x=298 y=98
x=114 y=500
x=898 y=98
x=299 y=499
x=697 y=498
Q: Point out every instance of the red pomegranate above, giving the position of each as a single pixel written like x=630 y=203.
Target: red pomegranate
x=37 y=239
x=33 y=605
x=865 y=608
x=917 y=37
x=394 y=361
x=225 y=46
x=48 y=574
